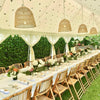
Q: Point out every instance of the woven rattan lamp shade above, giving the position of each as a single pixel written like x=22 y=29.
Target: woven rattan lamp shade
x=93 y=30
x=64 y=26
x=24 y=18
x=82 y=28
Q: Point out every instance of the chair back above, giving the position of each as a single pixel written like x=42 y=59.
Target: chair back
x=28 y=63
x=61 y=76
x=87 y=62
x=18 y=65
x=47 y=58
x=44 y=86
x=73 y=71
x=23 y=95
x=2 y=70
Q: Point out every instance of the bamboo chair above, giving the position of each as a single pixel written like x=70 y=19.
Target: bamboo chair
x=43 y=90
x=84 y=70
x=98 y=58
x=98 y=61
x=28 y=63
x=2 y=70
x=18 y=65
x=23 y=95
x=61 y=85
x=47 y=58
x=92 y=66
x=96 y=64
x=80 y=76
x=72 y=80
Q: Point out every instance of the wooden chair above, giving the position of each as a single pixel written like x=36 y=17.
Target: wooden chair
x=61 y=85
x=93 y=67
x=72 y=80
x=44 y=91
x=2 y=70
x=23 y=95
x=85 y=70
x=28 y=63
x=98 y=61
x=18 y=65
x=81 y=76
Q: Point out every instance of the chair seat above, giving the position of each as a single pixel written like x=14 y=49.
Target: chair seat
x=43 y=97
x=72 y=81
x=79 y=75
x=61 y=88
x=94 y=64
x=85 y=71
x=89 y=67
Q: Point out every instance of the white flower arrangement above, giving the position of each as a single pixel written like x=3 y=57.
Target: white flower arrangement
x=35 y=63
x=62 y=59
x=40 y=65
x=41 y=62
x=51 y=61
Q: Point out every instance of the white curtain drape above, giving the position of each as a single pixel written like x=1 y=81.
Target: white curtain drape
x=3 y=37
x=80 y=38
x=67 y=39
x=52 y=40
x=31 y=40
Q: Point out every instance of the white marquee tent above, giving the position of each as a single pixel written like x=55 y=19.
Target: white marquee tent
x=47 y=15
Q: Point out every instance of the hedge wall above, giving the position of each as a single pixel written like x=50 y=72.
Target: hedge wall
x=13 y=50
x=42 y=48
x=60 y=45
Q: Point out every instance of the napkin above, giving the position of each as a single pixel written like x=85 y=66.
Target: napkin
x=23 y=82
x=5 y=91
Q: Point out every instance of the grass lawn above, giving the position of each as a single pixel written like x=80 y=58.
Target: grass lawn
x=92 y=92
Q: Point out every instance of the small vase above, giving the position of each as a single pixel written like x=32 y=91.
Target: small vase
x=15 y=78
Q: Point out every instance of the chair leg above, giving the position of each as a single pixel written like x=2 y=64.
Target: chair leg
x=52 y=94
x=88 y=79
x=81 y=84
x=93 y=73
x=76 y=92
x=60 y=96
x=71 y=93
x=92 y=76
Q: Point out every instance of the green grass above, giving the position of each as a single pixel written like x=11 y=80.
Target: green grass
x=92 y=92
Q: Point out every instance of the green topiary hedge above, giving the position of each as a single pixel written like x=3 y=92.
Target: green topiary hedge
x=13 y=50
x=42 y=48
x=60 y=45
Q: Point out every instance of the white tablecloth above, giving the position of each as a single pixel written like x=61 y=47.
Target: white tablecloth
x=15 y=86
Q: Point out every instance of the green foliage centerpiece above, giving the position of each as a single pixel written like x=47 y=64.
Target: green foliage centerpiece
x=13 y=72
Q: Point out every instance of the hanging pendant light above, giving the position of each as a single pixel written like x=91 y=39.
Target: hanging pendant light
x=64 y=25
x=24 y=17
x=93 y=30
x=82 y=27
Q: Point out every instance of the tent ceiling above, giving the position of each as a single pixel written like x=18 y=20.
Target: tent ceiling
x=1 y=4
x=93 y=5
x=48 y=14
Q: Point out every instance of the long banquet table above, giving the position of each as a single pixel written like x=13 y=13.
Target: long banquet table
x=15 y=86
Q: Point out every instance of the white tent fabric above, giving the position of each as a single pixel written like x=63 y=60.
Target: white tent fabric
x=52 y=40
x=3 y=37
x=67 y=39
x=31 y=40
x=48 y=14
